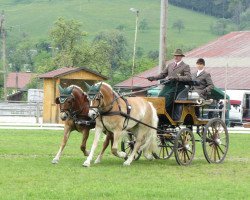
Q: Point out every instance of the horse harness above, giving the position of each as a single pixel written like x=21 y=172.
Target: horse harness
x=74 y=115
x=112 y=113
x=123 y=114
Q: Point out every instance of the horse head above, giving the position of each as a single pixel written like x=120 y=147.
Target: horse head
x=100 y=97
x=73 y=101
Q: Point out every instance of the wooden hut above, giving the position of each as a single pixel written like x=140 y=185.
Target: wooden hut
x=64 y=76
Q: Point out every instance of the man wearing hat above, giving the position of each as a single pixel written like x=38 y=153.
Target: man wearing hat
x=177 y=73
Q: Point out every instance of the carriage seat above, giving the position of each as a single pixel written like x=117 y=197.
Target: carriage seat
x=189 y=94
x=200 y=101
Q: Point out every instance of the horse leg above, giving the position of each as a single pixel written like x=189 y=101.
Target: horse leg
x=66 y=135
x=114 y=149
x=85 y=135
x=132 y=155
x=140 y=137
x=98 y=132
x=109 y=137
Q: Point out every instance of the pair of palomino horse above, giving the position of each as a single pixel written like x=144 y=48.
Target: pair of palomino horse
x=101 y=108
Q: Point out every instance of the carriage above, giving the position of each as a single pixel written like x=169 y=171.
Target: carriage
x=178 y=133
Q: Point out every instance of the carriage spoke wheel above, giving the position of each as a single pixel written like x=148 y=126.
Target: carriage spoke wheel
x=127 y=146
x=165 y=147
x=215 y=141
x=184 y=146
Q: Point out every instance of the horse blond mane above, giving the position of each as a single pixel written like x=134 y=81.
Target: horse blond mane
x=109 y=86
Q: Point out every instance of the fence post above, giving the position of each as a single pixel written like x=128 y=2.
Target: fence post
x=37 y=112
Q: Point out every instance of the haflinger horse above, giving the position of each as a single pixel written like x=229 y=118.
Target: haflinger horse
x=114 y=114
x=74 y=108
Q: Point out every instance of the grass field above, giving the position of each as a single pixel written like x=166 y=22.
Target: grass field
x=36 y=17
x=26 y=172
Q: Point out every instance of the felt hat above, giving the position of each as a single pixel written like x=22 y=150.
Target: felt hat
x=178 y=52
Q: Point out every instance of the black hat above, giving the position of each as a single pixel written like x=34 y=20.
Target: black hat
x=200 y=61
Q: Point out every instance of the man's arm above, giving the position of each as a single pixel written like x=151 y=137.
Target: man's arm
x=210 y=84
x=162 y=75
x=186 y=76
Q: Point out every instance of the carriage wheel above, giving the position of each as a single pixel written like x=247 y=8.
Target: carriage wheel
x=127 y=146
x=184 y=146
x=165 y=147
x=215 y=141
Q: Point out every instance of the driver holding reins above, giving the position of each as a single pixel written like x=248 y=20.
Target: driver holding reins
x=177 y=73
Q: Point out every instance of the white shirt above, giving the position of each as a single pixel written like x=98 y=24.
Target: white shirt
x=199 y=71
x=177 y=63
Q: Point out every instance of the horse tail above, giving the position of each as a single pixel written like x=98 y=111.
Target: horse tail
x=155 y=119
x=150 y=146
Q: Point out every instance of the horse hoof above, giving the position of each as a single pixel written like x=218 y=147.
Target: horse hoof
x=149 y=157
x=98 y=160
x=86 y=164
x=122 y=154
x=86 y=153
x=54 y=161
x=126 y=163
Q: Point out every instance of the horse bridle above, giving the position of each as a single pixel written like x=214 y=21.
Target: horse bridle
x=70 y=111
x=98 y=97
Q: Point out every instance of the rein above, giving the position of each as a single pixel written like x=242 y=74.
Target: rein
x=126 y=115
x=146 y=88
x=111 y=113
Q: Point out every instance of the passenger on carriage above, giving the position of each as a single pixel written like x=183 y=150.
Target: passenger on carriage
x=204 y=80
x=177 y=73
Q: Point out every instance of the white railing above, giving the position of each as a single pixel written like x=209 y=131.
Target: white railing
x=21 y=109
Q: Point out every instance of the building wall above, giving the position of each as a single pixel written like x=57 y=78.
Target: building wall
x=83 y=75
x=51 y=110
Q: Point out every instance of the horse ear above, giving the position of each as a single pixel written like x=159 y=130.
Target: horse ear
x=57 y=101
x=87 y=85
x=99 y=86
x=69 y=90
x=61 y=90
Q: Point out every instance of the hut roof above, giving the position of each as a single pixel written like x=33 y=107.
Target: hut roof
x=68 y=70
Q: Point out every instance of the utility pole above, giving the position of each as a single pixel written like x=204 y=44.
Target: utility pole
x=3 y=34
x=163 y=31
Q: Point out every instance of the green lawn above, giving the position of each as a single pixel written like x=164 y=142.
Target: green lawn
x=26 y=172
x=36 y=17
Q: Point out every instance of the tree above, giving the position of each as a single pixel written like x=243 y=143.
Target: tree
x=22 y=56
x=245 y=19
x=143 y=25
x=154 y=55
x=220 y=27
x=67 y=37
x=236 y=7
x=100 y=57
x=179 y=25
x=115 y=49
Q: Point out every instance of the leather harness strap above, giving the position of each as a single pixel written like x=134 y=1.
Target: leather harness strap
x=109 y=113
x=126 y=115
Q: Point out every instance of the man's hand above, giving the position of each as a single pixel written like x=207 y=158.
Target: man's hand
x=151 y=78
x=204 y=92
x=173 y=78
